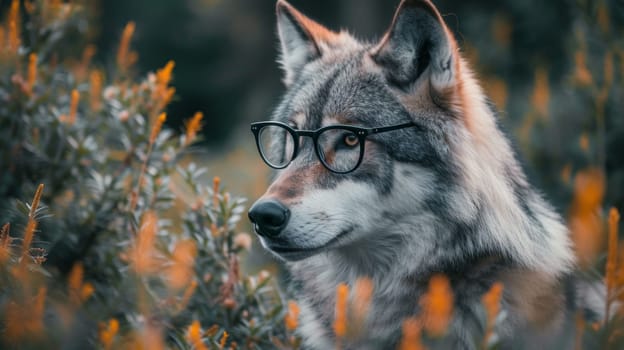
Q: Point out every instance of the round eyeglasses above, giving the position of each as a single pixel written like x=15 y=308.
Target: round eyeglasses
x=340 y=148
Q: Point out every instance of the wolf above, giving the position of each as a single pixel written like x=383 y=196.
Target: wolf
x=390 y=166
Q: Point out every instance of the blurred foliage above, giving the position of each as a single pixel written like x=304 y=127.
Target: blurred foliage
x=123 y=246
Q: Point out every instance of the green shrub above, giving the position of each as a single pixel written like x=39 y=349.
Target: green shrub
x=124 y=245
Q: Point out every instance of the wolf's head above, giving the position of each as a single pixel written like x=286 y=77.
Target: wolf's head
x=448 y=185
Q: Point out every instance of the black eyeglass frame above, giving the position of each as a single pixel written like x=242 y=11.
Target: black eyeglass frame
x=360 y=132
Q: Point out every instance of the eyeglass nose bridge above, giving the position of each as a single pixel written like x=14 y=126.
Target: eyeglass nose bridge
x=299 y=143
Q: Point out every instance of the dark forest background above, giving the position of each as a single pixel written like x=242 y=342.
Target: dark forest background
x=527 y=54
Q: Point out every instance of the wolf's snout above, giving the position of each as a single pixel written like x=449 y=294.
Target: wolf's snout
x=269 y=217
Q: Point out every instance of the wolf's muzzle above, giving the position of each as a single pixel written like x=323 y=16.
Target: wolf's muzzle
x=269 y=217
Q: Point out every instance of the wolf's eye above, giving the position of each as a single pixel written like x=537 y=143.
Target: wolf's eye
x=351 y=140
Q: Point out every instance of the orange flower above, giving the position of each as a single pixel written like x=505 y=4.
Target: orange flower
x=292 y=316
x=108 y=333
x=566 y=173
x=584 y=221
x=192 y=127
x=584 y=142
x=125 y=57
x=437 y=305
x=216 y=182
x=73 y=108
x=157 y=127
x=31 y=226
x=143 y=251
x=32 y=71
x=163 y=75
x=79 y=291
x=491 y=301
x=194 y=335
x=188 y=293
x=541 y=92
x=2 y=42
x=411 y=339
x=619 y=279
x=612 y=260
x=95 y=79
x=582 y=75
x=223 y=340
x=181 y=271
x=340 y=323
x=14 y=27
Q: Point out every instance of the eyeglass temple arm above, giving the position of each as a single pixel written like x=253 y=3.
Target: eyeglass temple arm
x=390 y=128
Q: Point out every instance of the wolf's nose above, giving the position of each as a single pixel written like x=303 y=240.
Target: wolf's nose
x=269 y=216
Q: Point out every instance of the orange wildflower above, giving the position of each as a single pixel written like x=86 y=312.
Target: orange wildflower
x=79 y=291
x=584 y=142
x=411 y=339
x=31 y=226
x=162 y=94
x=541 y=92
x=612 y=259
x=216 y=182
x=95 y=95
x=14 y=27
x=437 y=305
x=24 y=319
x=192 y=127
x=340 y=322
x=181 y=271
x=223 y=340
x=163 y=75
x=214 y=229
x=491 y=301
x=619 y=279
x=2 y=42
x=585 y=224
x=194 y=335
x=32 y=71
x=142 y=254
x=73 y=108
x=188 y=293
x=292 y=316
x=157 y=127
x=86 y=291
x=108 y=333
x=125 y=57
x=36 y=327
x=582 y=75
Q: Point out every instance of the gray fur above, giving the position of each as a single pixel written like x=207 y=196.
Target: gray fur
x=436 y=198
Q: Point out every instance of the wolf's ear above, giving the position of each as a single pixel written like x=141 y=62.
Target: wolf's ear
x=418 y=39
x=302 y=40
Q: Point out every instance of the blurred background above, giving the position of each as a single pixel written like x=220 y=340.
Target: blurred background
x=539 y=61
